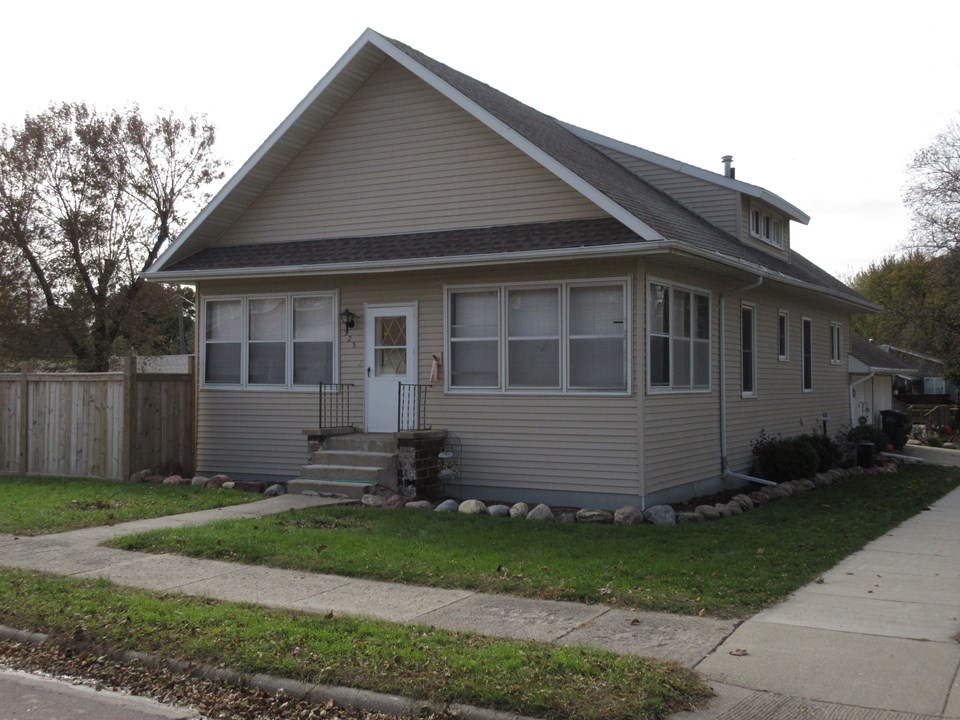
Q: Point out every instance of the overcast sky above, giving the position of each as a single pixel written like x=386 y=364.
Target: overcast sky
x=822 y=103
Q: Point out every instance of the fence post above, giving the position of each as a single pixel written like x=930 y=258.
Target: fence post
x=25 y=369
x=192 y=412
x=129 y=371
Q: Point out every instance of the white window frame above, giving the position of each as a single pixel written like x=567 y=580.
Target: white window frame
x=836 y=343
x=694 y=291
x=564 y=287
x=806 y=354
x=783 y=333
x=290 y=301
x=766 y=226
x=752 y=392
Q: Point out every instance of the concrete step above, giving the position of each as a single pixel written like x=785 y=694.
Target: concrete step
x=362 y=442
x=350 y=473
x=318 y=486
x=354 y=457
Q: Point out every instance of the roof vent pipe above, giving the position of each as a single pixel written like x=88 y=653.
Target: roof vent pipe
x=728 y=170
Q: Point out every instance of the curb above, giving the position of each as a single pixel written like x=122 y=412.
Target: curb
x=345 y=697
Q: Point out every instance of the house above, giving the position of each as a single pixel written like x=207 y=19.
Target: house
x=873 y=370
x=605 y=325
x=924 y=392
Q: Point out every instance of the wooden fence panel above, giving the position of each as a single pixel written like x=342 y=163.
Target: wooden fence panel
x=96 y=424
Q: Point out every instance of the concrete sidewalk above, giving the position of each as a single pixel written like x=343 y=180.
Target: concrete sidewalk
x=875 y=639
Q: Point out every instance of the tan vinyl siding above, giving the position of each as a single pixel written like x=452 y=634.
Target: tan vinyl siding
x=542 y=442
x=714 y=203
x=780 y=406
x=398 y=157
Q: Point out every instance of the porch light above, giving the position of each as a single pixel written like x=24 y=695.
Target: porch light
x=348 y=319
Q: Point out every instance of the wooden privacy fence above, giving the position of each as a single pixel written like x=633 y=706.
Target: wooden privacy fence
x=106 y=425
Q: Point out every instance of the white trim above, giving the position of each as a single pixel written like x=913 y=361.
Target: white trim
x=694 y=291
x=785 y=314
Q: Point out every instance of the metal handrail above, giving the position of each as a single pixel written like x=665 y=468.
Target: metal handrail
x=335 y=405
x=412 y=407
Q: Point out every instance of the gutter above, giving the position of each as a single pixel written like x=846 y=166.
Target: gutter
x=725 y=472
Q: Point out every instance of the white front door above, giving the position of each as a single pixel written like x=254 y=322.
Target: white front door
x=390 y=341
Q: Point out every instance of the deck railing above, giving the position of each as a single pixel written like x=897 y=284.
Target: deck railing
x=412 y=407
x=335 y=405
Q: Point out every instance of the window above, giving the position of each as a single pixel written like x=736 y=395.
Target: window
x=276 y=341
x=766 y=227
x=678 y=338
x=783 y=336
x=934 y=386
x=748 y=359
x=836 y=345
x=539 y=338
x=807 y=352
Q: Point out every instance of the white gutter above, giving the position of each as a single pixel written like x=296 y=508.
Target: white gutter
x=725 y=471
x=861 y=380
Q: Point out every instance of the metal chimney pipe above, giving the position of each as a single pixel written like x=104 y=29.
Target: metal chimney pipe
x=728 y=170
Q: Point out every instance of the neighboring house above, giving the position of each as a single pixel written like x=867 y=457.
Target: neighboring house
x=926 y=383
x=612 y=326
x=872 y=373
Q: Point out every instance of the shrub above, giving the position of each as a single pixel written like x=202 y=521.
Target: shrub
x=827 y=450
x=868 y=433
x=782 y=460
x=934 y=440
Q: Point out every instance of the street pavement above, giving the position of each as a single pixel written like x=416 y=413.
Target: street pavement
x=876 y=638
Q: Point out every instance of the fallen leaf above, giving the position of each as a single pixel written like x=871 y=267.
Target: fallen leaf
x=329 y=615
x=819 y=580
x=635 y=621
x=760 y=551
x=703 y=611
x=739 y=652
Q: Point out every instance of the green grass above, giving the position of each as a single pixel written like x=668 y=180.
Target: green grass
x=37 y=505
x=416 y=661
x=730 y=568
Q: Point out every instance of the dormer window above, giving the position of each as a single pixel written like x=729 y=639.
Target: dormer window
x=766 y=227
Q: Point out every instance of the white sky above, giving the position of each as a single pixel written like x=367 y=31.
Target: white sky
x=822 y=103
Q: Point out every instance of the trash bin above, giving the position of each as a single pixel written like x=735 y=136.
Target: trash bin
x=895 y=425
x=866 y=455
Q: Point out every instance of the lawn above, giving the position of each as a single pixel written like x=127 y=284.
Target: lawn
x=730 y=568
x=37 y=505
x=524 y=677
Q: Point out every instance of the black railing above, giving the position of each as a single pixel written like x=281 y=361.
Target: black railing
x=412 y=407
x=335 y=405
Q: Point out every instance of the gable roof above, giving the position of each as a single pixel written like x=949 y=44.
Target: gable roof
x=652 y=216
x=877 y=358
x=922 y=365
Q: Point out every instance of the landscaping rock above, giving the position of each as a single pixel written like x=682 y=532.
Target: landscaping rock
x=419 y=505
x=786 y=489
x=914 y=441
x=254 y=486
x=472 y=507
x=709 y=512
x=724 y=511
x=199 y=481
x=565 y=516
x=628 y=515
x=372 y=500
x=172 y=480
x=660 y=515
x=217 y=481
x=772 y=492
x=396 y=501
x=759 y=498
x=949 y=446
x=499 y=510
x=229 y=485
x=519 y=510
x=744 y=501
x=807 y=484
x=447 y=506
x=855 y=470
x=591 y=515
x=155 y=479
x=541 y=512
x=141 y=476
x=735 y=508
x=275 y=490
x=689 y=517
x=822 y=480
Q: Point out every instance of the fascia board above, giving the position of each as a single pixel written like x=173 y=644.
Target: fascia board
x=756 y=191
x=517 y=140
x=263 y=150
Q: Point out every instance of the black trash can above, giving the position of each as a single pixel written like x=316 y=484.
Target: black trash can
x=866 y=455
x=895 y=425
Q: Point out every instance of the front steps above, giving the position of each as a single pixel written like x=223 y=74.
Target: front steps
x=349 y=465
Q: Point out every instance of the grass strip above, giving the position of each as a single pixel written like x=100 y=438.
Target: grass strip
x=38 y=505
x=525 y=677
x=730 y=568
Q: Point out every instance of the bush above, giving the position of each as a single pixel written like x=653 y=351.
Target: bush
x=934 y=440
x=868 y=433
x=827 y=450
x=787 y=459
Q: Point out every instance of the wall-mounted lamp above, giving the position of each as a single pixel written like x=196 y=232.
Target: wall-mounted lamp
x=349 y=320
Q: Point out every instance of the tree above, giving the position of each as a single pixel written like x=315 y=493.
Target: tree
x=933 y=193
x=87 y=202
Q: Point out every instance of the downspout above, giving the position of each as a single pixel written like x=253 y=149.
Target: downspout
x=725 y=472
